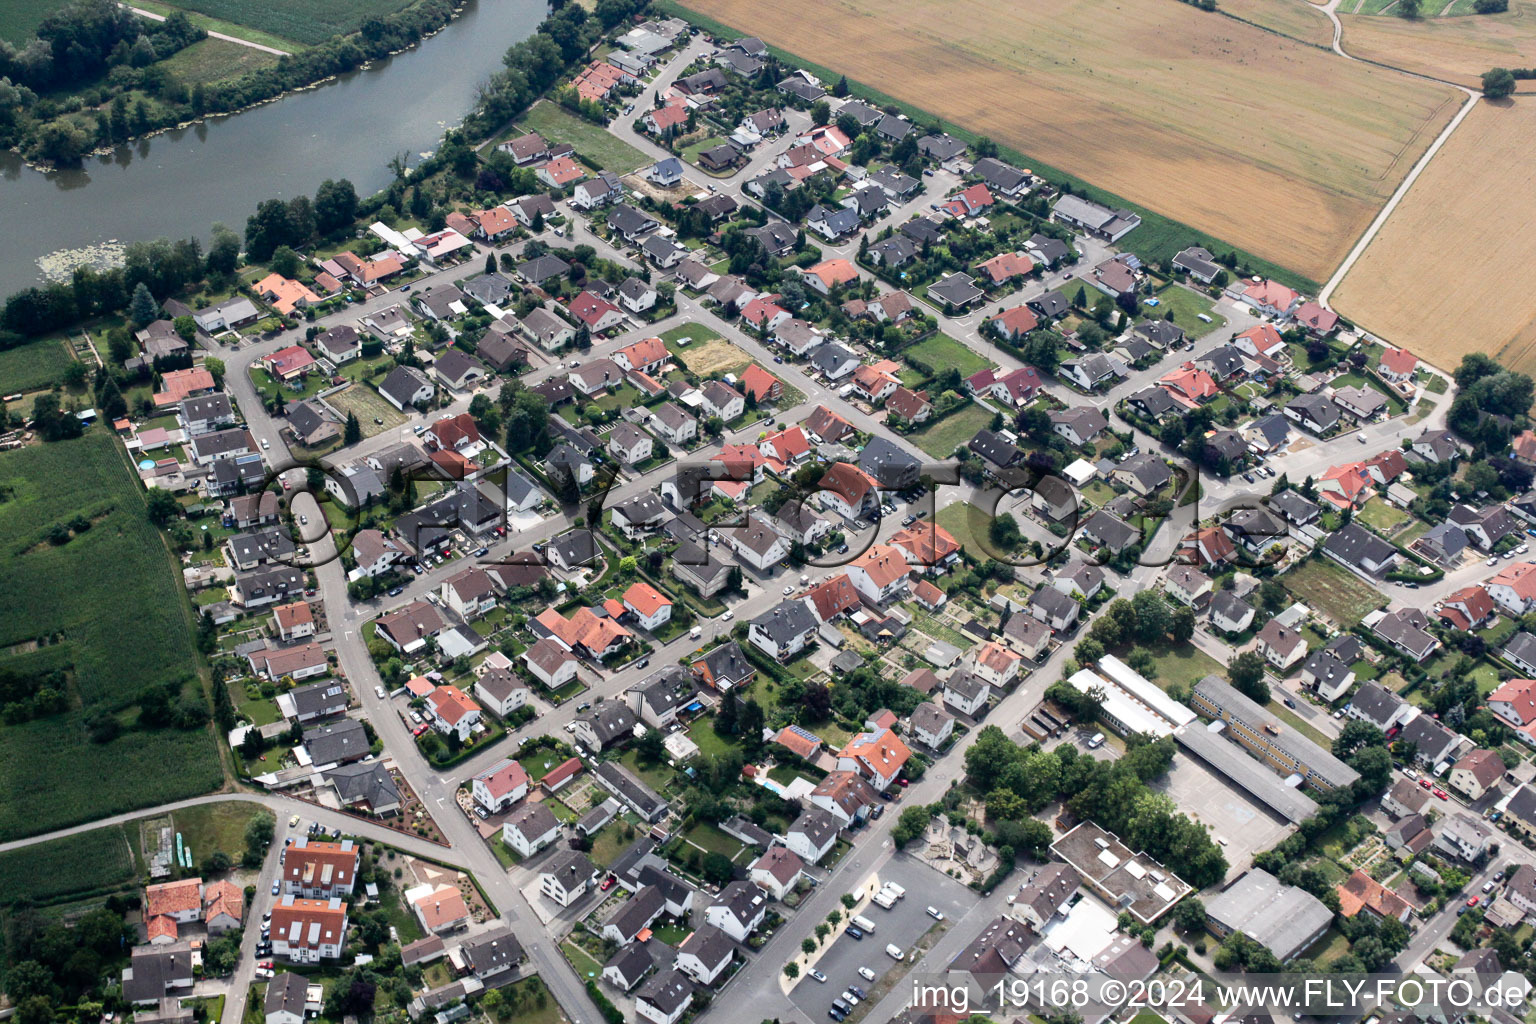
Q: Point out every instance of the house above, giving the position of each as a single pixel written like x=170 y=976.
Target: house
x=1104 y=529
x=834 y=361
x=525 y=149
x=407 y=629
x=452 y=711
x=966 y=693
x=757 y=544
x=294 y=621
x=879 y=574
x=826 y=426
x=287 y=999
x=724 y=401
x=406 y=386
x=442 y=302
x=1314 y=412
x=1520 y=651
x=529 y=829
x=550 y=662
x=812 y=835
x=931 y=725
x=1230 y=613
x=957 y=291
x=1475 y=773
x=607 y=725
x=502 y=691
x=1513 y=587
x=783 y=631
x=1463 y=836
x=1280 y=645
x=665 y=998
x=649 y=606
x=1145 y=474
x=1346 y=486
x=777 y=871
x=1397 y=365
x=566 y=876
x=1091 y=371
x=1515 y=702
x=1189 y=385
x=1080 y=426
x=823 y=277
x=1431 y=742
x=597 y=314
x=319 y=870
x=1360 y=404
x=671 y=422
x=848 y=490
x=1293 y=508
x=629 y=444
x=878 y=756
x=1100 y=221
x=724 y=668
x=1354 y=546
x=301 y=662
x=705 y=954
x=308 y=930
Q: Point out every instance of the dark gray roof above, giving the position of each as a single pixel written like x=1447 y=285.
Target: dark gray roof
x=1154 y=400
x=542 y=268
x=627 y=787
x=576 y=547
x=609 y=721
x=1293 y=506
x=364 y=782
x=891 y=466
x=1052 y=250
x=727 y=662
x=957 y=289
x=336 y=741
x=997 y=174
x=668 y=991
x=786 y=621
x=940 y=147
x=286 y=993
x=711 y=945
x=493 y=951
x=1316 y=410
x=1229 y=606
x=1355 y=545
x=403 y=382
x=489 y=289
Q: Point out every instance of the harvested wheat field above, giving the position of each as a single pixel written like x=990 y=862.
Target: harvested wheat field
x=1283 y=149
x=1454 y=269
x=1294 y=18
x=1456 y=49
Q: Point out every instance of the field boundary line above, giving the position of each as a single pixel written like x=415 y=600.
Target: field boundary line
x=152 y=16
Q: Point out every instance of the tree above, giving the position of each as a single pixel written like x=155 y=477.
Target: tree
x=821 y=112
x=335 y=206
x=142 y=308
x=1004 y=532
x=791 y=970
x=162 y=506
x=1246 y=673
x=353 y=432
x=285 y=261
x=716 y=868
x=841 y=88
x=807 y=945
x=1498 y=83
x=911 y=824
x=1189 y=914
x=1407 y=9
x=223 y=251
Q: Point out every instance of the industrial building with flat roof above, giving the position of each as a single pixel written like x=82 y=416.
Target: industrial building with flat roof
x=1144 y=690
x=1206 y=742
x=1127 y=880
x=1120 y=711
x=1283 y=919
x=1281 y=746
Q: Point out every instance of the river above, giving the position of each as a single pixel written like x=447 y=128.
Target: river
x=182 y=182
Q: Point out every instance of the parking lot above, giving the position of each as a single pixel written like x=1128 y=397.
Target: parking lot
x=1230 y=813
x=903 y=925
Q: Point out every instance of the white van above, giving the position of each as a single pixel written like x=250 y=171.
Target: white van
x=864 y=924
x=895 y=952
x=896 y=890
x=1096 y=741
x=696 y=632
x=885 y=899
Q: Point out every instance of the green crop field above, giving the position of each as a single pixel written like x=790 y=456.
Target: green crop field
x=107 y=606
x=36 y=364
x=19 y=20
x=77 y=866
x=302 y=22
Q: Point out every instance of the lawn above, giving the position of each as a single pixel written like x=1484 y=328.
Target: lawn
x=941 y=352
x=942 y=438
x=710 y=839
x=221 y=826
x=1385 y=519
x=81 y=865
x=19 y=21
x=710 y=742
x=368 y=405
x=691 y=152
x=1184 y=664
x=213 y=60
x=958 y=519
x=1187 y=307
x=85 y=593
x=37 y=364
x=1334 y=591
x=592 y=141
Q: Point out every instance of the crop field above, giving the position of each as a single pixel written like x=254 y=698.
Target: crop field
x=213 y=60
x=1459 y=246
x=107 y=606
x=1457 y=48
x=303 y=22
x=592 y=141
x=1300 y=21
x=36 y=364
x=1275 y=146
x=90 y=862
x=19 y=19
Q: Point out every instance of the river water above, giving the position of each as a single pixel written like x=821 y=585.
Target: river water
x=182 y=182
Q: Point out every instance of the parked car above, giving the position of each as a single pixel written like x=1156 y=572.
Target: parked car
x=866 y=974
x=818 y=975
